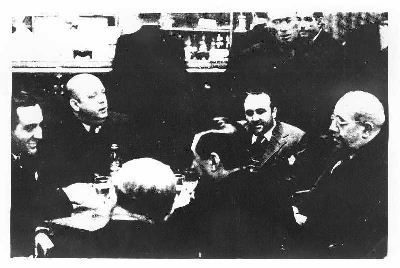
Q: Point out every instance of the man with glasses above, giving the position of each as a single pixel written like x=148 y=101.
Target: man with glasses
x=346 y=208
x=270 y=139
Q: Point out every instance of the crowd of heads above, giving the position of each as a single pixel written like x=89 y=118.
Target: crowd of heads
x=288 y=26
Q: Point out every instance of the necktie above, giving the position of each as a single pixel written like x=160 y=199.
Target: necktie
x=93 y=130
x=256 y=149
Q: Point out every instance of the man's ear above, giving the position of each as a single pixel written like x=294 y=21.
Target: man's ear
x=74 y=104
x=368 y=127
x=215 y=161
x=274 y=111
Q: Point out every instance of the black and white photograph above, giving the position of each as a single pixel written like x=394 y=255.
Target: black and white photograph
x=256 y=133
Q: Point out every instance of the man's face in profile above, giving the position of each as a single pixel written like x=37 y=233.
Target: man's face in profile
x=28 y=131
x=89 y=100
x=346 y=132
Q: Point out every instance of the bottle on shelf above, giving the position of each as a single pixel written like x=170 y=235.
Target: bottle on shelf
x=220 y=42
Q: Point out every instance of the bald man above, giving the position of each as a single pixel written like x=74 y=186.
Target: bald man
x=346 y=209
x=80 y=143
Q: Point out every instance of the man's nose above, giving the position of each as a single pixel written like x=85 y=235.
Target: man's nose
x=194 y=164
x=103 y=98
x=255 y=117
x=37 y=134
x=333 y=127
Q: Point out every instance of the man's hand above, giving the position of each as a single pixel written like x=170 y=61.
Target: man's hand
x=43 y=245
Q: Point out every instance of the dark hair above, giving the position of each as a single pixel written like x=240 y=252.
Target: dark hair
x=260 y=91
x=230 y=147
x=21 y=99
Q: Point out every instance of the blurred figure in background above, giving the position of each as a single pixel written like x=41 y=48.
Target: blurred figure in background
x=314 y=71
x=151 y=86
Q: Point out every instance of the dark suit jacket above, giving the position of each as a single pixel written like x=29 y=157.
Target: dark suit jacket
x=32 y=202
x=118 y=239
x=151 y=85
x=241 y=216
x=256 y=60
x=348 y=207
x=285 y=141
x=73 y=154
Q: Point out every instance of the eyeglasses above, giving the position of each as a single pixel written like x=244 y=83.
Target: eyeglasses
x=340 y=122
x=258 y=111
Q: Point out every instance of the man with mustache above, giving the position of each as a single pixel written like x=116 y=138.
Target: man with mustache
x=79 y=144
x=346 y=209
x=270 y=140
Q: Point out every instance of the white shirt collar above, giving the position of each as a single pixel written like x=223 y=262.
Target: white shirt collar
x=87 y=127
x=267 y=135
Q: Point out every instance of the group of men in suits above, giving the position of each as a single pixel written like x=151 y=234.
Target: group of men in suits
x=266 y=188
x=53 y=164
x=248 y=173
x=324 y=198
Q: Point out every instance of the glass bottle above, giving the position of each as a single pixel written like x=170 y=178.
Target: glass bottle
x=115 y=159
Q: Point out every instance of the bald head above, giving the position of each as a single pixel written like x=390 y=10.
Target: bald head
x=81 y=83
x=357 y=119
x=364 y=106
x=87 y=99
x=149 y=185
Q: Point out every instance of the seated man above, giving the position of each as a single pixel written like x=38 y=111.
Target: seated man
x=345 y=213
x=32 y=200
x=146 y=190
x=234 y=213
x=79 y=145
x=271 y=142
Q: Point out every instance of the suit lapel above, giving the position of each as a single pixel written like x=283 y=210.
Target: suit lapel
x=275 y=144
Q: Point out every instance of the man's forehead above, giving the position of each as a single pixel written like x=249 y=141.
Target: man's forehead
x=30 y=114
x=86 y=85
x=260 y=100
x=195 y=141
x=280 y=15
x=344 y=110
